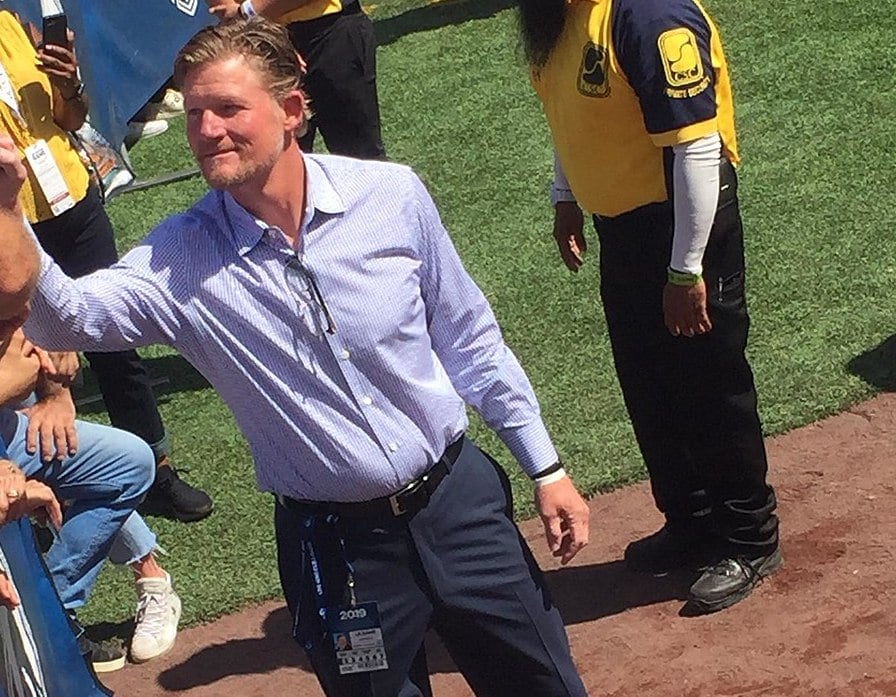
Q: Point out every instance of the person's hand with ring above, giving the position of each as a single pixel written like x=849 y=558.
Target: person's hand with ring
x=35 y=498
x=12 y=480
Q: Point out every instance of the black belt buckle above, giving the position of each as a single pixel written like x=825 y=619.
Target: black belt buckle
x=397 y=501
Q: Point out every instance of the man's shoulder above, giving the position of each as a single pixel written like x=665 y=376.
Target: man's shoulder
x=347 y=173
x=203 y=217
x=645 y=13
x=182 y=234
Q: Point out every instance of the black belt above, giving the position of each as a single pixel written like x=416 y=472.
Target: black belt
x=406 y=502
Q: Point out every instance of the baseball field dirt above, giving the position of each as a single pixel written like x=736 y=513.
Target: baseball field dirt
x=825 y=625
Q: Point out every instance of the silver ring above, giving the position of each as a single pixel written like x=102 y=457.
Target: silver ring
x=12 y=494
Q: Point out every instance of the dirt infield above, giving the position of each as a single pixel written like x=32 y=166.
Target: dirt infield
x=824 y=625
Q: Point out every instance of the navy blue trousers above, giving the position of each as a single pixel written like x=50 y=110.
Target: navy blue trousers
x=460 y=566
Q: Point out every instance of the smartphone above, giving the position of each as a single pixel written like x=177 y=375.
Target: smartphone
x=55 y=30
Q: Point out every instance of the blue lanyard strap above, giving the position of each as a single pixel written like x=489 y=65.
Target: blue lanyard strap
x=308 y=546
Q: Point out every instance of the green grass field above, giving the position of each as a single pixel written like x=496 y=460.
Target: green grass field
x=815 y=88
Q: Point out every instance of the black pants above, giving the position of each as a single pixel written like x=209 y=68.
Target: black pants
x=692 y=401
x=81 y=240
x=459 y=565
x=340 y=51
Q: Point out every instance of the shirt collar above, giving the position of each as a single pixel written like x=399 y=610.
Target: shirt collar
x=246 y=230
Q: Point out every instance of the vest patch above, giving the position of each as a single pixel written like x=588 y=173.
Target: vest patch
x=594 y=80
x=684 y=71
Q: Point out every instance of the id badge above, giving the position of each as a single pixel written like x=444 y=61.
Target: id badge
x=47 y=173
x=357 y=637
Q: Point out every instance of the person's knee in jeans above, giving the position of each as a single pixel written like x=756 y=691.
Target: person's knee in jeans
x=136 y=469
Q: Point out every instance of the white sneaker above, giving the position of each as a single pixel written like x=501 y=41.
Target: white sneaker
x=158 y=612
x=172 y=105
x=144 y=129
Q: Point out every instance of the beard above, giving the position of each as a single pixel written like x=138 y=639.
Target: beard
x=541 y=24
x=224 y=175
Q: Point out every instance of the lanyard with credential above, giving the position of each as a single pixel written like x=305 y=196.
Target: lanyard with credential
x=40 y=158
x=308 y=547
x=353 y=630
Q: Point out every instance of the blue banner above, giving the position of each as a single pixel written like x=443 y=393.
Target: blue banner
x=40 y=654
x=61 y=667
x=126 y=50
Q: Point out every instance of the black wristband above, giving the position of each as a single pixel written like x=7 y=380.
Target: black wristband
x=556 y=467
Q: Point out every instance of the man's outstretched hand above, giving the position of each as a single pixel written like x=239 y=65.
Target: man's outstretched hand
x=564 y=514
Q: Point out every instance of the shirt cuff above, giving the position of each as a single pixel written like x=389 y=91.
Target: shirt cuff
x=531 y=446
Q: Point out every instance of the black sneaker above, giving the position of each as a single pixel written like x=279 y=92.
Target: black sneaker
x=171 y=497
x=43 y=536
x=731 y=580
x=672 y=547
x=105 y=656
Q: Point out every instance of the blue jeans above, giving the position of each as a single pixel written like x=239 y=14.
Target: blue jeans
x=104 y=482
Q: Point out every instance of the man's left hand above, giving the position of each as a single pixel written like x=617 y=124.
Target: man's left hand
x=565 y=516
x=51 y=425
x=684 y=309
x=223 y=9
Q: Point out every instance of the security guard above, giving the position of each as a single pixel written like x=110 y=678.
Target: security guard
x=639 y=104
x=336 y=40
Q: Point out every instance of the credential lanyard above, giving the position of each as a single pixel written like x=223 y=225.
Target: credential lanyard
x=308 y=547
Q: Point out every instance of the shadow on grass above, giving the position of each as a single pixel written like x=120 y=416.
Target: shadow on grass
x=435 y=16
x=168 y=374
x=877 y=366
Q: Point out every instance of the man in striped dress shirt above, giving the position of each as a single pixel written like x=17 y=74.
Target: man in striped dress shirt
x=322 y=297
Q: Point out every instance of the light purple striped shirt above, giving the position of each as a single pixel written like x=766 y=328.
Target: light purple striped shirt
x=342 y=416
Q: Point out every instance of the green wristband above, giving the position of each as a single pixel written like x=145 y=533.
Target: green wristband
x=680 y=278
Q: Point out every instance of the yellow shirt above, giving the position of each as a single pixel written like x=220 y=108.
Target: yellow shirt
x=34 y=120
x=311 y=10
x=627 y=80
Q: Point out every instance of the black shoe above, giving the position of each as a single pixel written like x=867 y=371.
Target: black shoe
x=171 y=497
x=731 y=580
x=43 y=536
x=104 y=656
x=678 y=546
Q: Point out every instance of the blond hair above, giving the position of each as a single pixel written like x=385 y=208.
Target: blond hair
x=262 y=43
